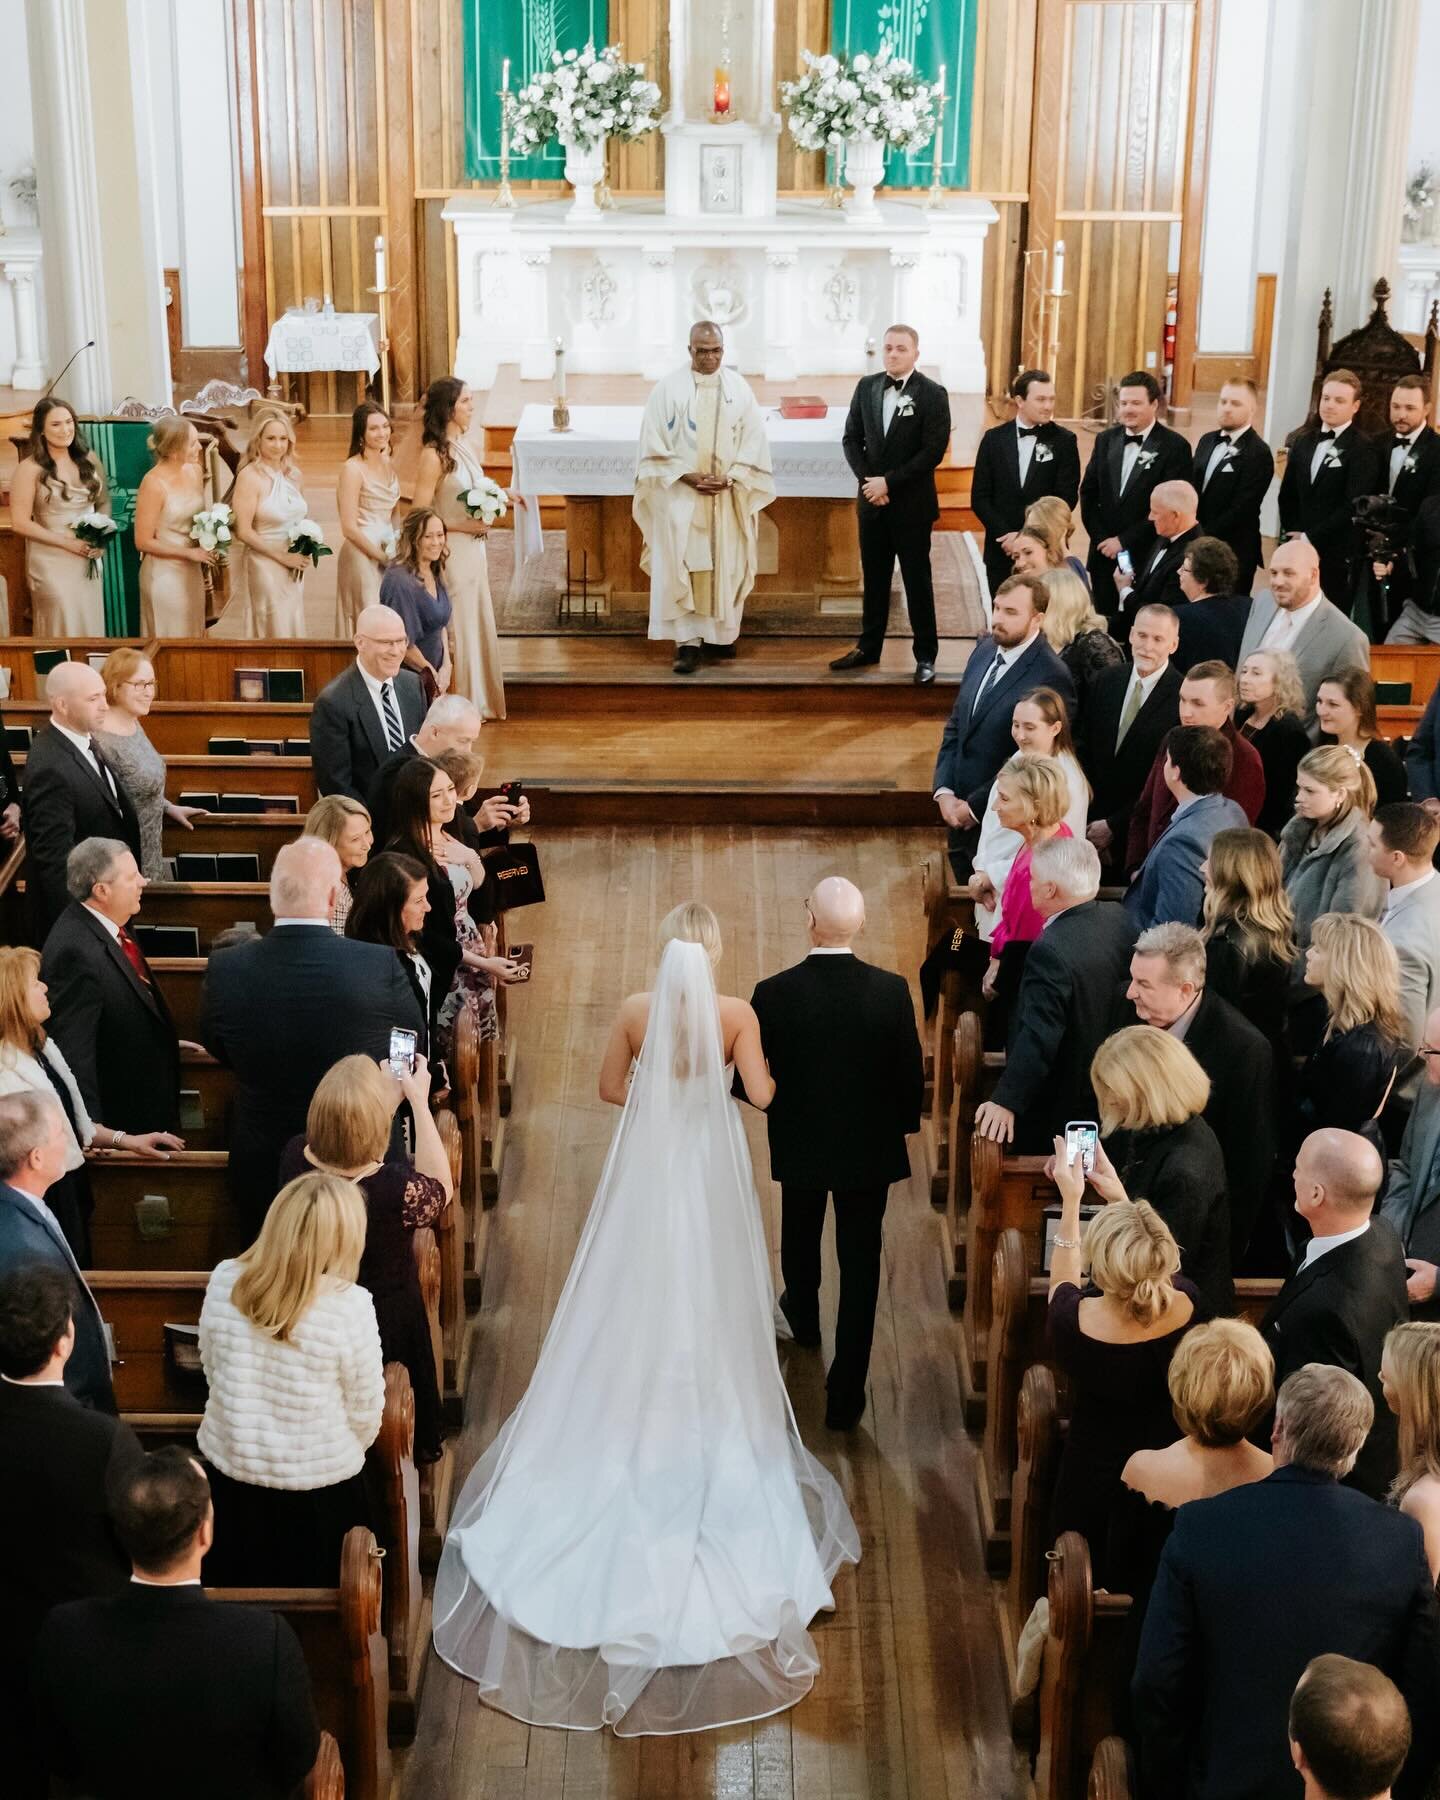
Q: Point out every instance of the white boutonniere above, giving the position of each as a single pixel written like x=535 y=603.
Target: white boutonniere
x=1042 y=453
x=904 y=407
x=1409 y=466
x=1146 y=458
x=1331 y=458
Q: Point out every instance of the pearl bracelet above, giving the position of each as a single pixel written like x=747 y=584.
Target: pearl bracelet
x=1064 y=1243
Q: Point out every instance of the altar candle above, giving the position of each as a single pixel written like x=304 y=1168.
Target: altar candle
x=559 y=369
x=505 y=76
x=940 y=84
x=1058 y=286
x=379 y=265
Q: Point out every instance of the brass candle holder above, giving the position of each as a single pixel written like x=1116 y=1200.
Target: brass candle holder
x=936 y=196
x=504 y=198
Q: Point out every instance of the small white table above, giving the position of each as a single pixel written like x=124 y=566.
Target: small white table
x=597 y=457
x=303 y=343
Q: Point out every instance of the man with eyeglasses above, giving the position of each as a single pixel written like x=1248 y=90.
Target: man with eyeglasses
x=1412 y=1196
x=369 y=712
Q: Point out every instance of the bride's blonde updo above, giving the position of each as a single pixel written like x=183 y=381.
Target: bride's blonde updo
x=692 y=922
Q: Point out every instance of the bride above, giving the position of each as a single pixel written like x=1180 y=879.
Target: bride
x=646 y=1541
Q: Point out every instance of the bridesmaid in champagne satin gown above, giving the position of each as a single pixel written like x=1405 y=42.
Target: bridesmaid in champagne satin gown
x=268 y=500
x=59 y=479
x=172 y=569
x=448 y=466
x=368 y=493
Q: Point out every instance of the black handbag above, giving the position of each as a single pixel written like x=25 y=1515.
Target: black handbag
x=515 y=871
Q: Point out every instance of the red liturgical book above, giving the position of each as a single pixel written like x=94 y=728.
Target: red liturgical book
x=803 y=406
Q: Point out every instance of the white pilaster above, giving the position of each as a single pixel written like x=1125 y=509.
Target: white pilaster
x=18 y=263
x=781 y=314
x=537 y=350
x=657 y=310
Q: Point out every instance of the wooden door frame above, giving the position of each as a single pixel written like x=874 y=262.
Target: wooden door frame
x=254 y=326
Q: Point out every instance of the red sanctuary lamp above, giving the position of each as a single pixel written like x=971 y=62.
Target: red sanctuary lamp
x=721 y=95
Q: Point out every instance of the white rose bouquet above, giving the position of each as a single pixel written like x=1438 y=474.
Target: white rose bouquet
x=585 y=96
x=840 y=98
x=210 y=529
x=487 y=501
x=307 y=539
x=96 y=529
x=387 y=542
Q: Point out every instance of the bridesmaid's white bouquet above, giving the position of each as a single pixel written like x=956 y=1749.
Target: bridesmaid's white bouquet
x=387 y=542
x=210 y=529
x=96 y=529
x=307 y=539
x=487 y=501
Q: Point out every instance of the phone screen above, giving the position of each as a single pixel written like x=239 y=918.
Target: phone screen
x=402 y=1052
x=1081 y=1137
x=1124 y=564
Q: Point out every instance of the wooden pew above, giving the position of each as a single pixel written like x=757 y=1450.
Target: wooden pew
x=210 y=906
x=345 y=1652
x=180 y=979
x=204 y=668
x=179 y=727
x=194 y=1227
x=1112 y=1771
x=1084 y=1653
x=213 y=1086
x=239 y=834
x=1005 y=1191
x=18 y=655
x=225 y=775
x=326 y=1781
x=1039 y=1436
x=973 y=1072
x=475 y=1073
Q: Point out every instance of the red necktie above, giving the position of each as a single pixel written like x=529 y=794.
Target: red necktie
x=135 y=956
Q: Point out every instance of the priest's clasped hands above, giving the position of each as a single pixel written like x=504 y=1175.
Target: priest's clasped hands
x=707 y=484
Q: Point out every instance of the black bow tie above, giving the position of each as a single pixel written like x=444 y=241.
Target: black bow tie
x=1027 y=430
x=896 y=381
x=1223 y=437
x=1404 y=443
x=1326 y=434
x=1134 y=437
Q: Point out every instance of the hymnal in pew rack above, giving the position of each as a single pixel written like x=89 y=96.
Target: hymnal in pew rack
x=287 y=685
x=212 y=802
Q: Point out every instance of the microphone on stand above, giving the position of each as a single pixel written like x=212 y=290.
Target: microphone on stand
x=66 y=370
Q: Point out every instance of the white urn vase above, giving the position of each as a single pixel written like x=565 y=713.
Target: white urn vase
x=864 y=170
x=584 y=170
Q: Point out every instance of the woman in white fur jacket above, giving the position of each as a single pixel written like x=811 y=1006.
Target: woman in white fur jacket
x=32 y=1063
x=292 y=1354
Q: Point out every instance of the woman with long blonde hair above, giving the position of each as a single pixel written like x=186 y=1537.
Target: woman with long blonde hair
x=1325 y=849
x=1055 y=520
x=1248 y=925
x=173 y=565
x=1410 y=1381
x=1031 y=796
x=1076 y=632
x=291 y=1352
x=268 y=577
x=1347 y=1078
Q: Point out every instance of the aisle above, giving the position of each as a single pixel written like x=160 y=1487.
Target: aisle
x=909 y=1701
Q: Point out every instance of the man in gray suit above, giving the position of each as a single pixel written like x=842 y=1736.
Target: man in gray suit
x=1168 y=885
x=1411 y=1206
x=1296 y=616
x=1402 y=842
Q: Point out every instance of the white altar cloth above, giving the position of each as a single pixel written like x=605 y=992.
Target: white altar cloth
x=303 y=343
x=597 y=456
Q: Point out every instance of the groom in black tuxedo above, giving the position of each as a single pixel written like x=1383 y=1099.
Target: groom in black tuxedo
x=1127 y=464
x=1017 y=463
x=896 y=436
x=841 y=1042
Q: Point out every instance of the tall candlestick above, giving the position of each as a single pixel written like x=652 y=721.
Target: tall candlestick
x=379 y=265
x=937 y=188
x=1057 y=285
x=503 y=195
x=505 y=76
x=560 y=369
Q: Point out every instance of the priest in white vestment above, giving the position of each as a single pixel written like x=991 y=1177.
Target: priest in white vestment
x=703 y=479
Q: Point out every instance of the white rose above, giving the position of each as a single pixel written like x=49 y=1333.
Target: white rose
x=569 y=56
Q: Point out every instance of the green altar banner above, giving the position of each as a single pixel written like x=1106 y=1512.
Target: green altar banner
x=525 y=32
x=926 y=33
x=123 y=447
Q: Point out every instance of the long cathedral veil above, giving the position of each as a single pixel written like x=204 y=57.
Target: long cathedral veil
x=646 y=1541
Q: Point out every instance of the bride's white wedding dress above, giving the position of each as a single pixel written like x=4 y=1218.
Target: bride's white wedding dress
x=646 y=1541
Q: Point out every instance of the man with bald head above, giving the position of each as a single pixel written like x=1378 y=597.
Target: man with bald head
x=1348 y=1290
x=702 y=480
x=1154 y=578
x=841 y=1042
x=367 y=713
x=1296 y=616
x=71 y=791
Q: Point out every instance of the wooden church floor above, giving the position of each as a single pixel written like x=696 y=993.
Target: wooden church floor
x=909 y=1701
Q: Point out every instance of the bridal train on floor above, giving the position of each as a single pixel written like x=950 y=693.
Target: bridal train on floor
x=646 y=1541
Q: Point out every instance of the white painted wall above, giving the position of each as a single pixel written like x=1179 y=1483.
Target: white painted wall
x=160 y=62
x=17 y=147
x=208 y=201
x=1424 y=113
x=1229 y=262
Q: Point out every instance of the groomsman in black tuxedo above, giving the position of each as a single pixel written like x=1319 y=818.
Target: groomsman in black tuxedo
x=1234 y=467
x=1410 y=475
x=1019 y=462
x=896 y=436
x=1327 y=471
x=1127 y=464
x=1156 y=577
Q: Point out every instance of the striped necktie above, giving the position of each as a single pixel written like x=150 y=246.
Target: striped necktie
x=394 y=736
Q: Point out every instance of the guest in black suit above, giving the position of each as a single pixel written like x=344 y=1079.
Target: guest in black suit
x=1409 y=473
x=71 y=791
x=897 y=435
x=369 y=711
x=1063 y=1010
x=1349 y=1288
x=58 y=1456
x=1349 y=1729
x=452 y=723
x=10 y=796
x=1155 y=577
x=840 y=1039
x=1212 y=610
x=1254 y=1583
x=281 y=1009
x=1129 y=713
x=1326 y=472
x=1127 y=463
x=32 y=1160
x=1234 y=467
x=161 y=1690
x=1419 y=621
x=1167 y=989
x=1018 y=462
x=107 y=1013
x=1014 y=661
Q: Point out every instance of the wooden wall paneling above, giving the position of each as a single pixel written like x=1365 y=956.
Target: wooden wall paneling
x=799 y=25
x=394 y=144
x=254 y=313
x=1000 y=170
x=1192 y=202
x=642 y=28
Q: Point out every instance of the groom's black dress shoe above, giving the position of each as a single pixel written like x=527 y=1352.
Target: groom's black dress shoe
x=809 y=1339
x=924 y=674
x=854 y=659
x=687 y=659
x=844 y=1418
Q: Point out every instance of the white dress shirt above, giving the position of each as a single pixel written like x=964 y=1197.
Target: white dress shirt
x=1285 y=628
x=1025 y=450
x=1321 y=1246
x=1145 y=683
x=831 y=950
x=1398 y=894
x=1322 y=449
x=1221 y=454
x=1398 y=454
x=85 y=745
x=891 y=399
x=1131 y=456
x=373 y=687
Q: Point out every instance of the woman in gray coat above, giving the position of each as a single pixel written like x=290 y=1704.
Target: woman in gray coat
x=1324 y=850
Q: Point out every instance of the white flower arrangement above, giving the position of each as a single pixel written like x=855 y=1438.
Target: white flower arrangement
x=307 y=539
x=95 y=529
x=841 y=98
x=487 y=501
x=210 y=529
x=584 y=97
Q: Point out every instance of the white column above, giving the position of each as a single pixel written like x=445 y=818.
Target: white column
x=209 y=228
x=28 y=371
x=657 y=310
x=1343 y=153
x=781 y=319
x=537 y=349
